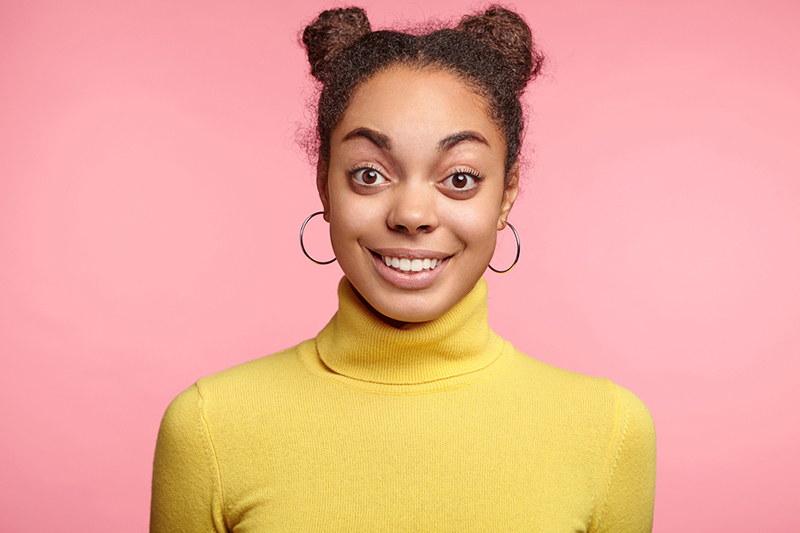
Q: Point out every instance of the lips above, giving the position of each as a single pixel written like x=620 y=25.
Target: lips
x=409 y=269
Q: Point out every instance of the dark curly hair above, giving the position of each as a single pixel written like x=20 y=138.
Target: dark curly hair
x=492 y=52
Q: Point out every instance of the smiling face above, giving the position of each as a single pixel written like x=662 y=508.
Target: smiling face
x=415 y=192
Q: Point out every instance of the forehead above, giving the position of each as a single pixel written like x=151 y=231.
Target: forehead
x=417 y=105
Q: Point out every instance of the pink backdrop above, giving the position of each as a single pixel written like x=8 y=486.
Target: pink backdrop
x=151 y=191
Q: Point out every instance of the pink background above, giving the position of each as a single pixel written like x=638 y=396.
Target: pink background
x=151 y=191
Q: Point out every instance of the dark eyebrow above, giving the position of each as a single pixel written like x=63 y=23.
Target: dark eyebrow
x=378 y=139
x=451 y=140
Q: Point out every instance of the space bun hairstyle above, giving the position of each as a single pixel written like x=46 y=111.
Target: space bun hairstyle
x=492 y=52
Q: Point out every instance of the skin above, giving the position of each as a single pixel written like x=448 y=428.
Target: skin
x=401 y=181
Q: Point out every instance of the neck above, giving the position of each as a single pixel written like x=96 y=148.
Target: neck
x=361 y=344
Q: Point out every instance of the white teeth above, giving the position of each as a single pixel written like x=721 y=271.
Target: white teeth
x=411 y=265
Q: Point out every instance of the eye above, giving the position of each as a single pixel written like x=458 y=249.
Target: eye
x=368 y=176
x=462 y=181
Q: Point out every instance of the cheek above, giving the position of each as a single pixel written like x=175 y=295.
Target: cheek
x=476 y=226
x=342 y=233
x=352 y=219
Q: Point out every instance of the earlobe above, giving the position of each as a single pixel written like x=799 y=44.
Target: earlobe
x=509 y=196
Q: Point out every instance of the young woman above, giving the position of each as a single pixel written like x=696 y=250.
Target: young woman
x=406 y=412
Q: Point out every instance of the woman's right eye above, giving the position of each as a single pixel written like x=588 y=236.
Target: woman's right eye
x=368 y=177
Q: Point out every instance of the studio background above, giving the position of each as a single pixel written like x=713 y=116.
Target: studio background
x=152 y=189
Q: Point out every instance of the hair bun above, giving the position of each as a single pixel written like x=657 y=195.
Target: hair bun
x=333 y=31
x=509 y=34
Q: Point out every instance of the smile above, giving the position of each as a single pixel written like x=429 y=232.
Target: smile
x=405 y=264
x=410 y=269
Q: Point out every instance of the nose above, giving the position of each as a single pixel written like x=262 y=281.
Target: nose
x=413 y=209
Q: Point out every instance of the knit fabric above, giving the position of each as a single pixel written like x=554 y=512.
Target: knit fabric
x=441 y=426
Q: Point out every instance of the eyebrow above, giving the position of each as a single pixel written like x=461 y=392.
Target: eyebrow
x=462 y=136
x=382 y=141
x=378 y=139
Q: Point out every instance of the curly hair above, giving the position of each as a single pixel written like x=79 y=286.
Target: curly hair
x=492 y=52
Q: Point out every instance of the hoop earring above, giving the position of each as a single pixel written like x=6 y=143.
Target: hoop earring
x=516 y=236
x=302 y=246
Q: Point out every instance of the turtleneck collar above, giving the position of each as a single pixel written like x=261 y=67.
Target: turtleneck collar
x=358 y=345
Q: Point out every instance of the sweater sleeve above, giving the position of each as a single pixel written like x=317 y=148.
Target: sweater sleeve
x=187 y=493
x=629 y=492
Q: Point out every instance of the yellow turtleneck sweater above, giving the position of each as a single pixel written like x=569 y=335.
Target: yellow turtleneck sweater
x=440 y=426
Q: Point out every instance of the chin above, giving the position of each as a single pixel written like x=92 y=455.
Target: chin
x=414 y=316
x=420 y=306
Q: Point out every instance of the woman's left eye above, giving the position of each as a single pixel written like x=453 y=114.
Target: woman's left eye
x=461 y=181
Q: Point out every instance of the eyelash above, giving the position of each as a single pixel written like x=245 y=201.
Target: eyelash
x=476 y=176
x=471 y=173
x=355 y=170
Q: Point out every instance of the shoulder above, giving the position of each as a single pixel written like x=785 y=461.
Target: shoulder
x=183 y=416
x=634 y=414
x=636 y=433
x=561 y=383
x=263 y=373
x=261 y=382
x=594 y=401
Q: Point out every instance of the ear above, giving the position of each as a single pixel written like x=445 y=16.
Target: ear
x=322 y=189
x=509 y=195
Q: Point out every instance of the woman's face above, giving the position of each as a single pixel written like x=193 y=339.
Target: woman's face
x=415 y=192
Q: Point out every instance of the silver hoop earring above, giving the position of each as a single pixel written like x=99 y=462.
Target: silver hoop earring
x=303 y=247
x=516 y=236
